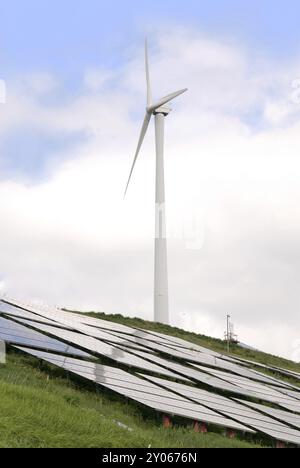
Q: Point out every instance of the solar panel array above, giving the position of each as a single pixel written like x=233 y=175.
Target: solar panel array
x=163 y=373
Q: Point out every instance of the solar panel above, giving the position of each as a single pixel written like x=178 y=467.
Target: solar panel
x=160 y=338
x=86 y=368
x=191 y=373
x=14 y=333
x=72 y=320
x=94 y=345
x=209 y=378
x=101 y=333
x=117 y=338
x=129 y=359
x=106 y=336
x=180 y=342
x=4 y=307
x=279 y=370
x=58 y=317
x=277 y=393
x=278 y=383
x=232 y=409
x=236 y=369
x=290 y=418
x=71 y=317
x=106 y=324
x=188 y=354
x=75 y=320
x=242 y=381
x=167 y=349
x=248 y=362
x=110 y=336
x=71 y=325
x=199 y=353
x=255 y=389
x=291 y=393
x=144 y=392
x=8 y=310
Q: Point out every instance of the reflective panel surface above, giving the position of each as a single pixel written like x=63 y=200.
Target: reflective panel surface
x=14 y=333
x=94 y=345
x=140 y=390
x=232 y=409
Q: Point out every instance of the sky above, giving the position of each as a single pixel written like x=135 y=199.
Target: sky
x=75 y=97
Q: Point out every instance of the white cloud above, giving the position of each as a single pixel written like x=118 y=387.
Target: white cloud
x=95 y=79
x=2 y=91
x=232 y=190
x=38 y=84
x=2 y=288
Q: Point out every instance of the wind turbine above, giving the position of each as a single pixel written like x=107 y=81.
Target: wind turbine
x=159 y=109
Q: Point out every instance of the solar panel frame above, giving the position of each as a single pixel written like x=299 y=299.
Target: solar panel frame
x=256 y=390
x=61 y=316
x=236 y=369
x=145 y=365
x=291 y=393
x=239 y=379
x=229 y=408
x=283 y=371
x=90 y=344
x=192 y=373
x=21 y=313
x=180 y=342
x=287 y=417
x=14 y=333
x=84 y=329
x=219 y=363
x=155 y=346
x=154 y=397
x=72 y=320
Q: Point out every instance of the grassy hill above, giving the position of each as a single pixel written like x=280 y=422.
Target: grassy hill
x=42 y=407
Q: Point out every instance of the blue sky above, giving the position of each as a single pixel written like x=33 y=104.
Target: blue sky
x=64 y=36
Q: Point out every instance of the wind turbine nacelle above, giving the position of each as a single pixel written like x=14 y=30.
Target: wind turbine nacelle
x=163 y=110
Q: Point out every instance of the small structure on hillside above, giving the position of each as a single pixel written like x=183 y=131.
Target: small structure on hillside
x=229 y=335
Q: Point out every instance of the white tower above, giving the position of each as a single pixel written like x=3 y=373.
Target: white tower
x=160 y=110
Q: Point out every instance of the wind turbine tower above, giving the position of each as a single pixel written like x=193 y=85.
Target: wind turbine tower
x=159 y=109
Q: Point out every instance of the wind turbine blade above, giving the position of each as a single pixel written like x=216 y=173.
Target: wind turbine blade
x=149 y=93
x=165 y=100
x=141 y=139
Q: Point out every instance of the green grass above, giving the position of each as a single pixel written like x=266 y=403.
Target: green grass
x=41 y=408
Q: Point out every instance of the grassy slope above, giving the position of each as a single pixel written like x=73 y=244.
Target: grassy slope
x=41 y=408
